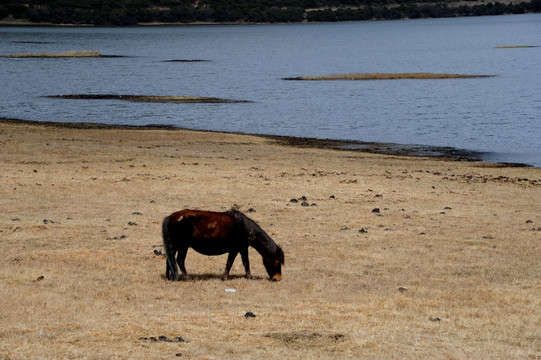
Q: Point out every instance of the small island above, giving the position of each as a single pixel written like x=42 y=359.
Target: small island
x=68 y=54
x=386 y=76
x=147 y=98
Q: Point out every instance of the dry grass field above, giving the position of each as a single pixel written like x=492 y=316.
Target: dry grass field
x=447 y=268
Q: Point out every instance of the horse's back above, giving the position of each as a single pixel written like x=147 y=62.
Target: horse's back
x=200 y=216
x=200 y=224
x=180 y=215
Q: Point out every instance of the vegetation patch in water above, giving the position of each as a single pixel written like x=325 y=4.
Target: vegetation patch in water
x=68 y=54
x=386 y=76
x=147 y=98
x=515 y=47
x=186 y=60
x=30 y=42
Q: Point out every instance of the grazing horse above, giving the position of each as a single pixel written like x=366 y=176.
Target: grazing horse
x=217 y=233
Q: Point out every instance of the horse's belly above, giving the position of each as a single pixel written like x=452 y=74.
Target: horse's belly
x=211 y=248
x=213 y=235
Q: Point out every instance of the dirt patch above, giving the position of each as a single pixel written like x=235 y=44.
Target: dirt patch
x=307 y=339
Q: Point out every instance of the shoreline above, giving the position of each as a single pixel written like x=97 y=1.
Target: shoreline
x=413 y=150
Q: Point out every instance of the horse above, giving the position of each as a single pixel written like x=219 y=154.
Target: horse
x=216 y=233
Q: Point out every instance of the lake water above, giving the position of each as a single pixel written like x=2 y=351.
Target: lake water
x=499 y=116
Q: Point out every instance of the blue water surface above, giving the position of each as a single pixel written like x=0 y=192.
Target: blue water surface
x=499 y=116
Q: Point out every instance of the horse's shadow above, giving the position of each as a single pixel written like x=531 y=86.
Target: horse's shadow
x=209 y=276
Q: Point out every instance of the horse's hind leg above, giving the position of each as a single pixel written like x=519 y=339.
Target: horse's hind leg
x=246 y=262
x=230 y=259
x=181 y=257
x=167 y=270
x=171 y=272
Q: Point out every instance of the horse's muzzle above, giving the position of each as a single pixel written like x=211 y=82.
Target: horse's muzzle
x=276 y=277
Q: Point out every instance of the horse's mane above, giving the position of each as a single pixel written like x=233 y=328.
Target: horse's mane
x=248 y=224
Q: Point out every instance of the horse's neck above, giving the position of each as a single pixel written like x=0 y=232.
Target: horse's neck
x=264 y=245
x=260 y=241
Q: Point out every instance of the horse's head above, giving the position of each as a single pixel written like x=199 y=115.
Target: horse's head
x=274 y=265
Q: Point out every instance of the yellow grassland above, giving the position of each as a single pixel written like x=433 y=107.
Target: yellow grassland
x=447 y=269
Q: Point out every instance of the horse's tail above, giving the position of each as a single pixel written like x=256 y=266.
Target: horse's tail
x=171 y=271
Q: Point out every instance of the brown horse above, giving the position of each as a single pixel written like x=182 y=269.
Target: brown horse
x=217 y=233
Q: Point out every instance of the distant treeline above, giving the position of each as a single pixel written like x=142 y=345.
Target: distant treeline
x=132 y=12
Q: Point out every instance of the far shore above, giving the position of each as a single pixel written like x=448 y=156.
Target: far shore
x=48 y=24
x=19 y=22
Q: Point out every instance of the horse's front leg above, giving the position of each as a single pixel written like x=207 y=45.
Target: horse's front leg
x=230 y=259
x=246 y=262
x=181 y=257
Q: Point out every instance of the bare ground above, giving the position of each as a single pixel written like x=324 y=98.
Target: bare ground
x=447 y=268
